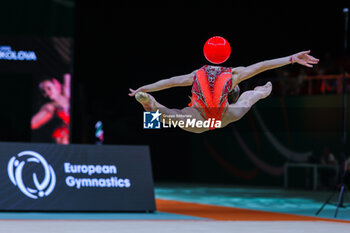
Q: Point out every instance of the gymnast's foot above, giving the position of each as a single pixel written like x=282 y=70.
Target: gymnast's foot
x=264 y=90
x=147 y=101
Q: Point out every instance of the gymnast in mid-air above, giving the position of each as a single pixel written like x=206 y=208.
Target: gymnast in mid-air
x=215 y=91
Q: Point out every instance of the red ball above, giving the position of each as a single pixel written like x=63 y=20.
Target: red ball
x=217 y=50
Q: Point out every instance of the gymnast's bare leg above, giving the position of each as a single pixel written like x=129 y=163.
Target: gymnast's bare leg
x=237 y=110
x=149 y=103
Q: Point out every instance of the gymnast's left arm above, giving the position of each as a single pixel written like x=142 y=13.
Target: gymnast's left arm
x=302 y=58
x=176 y=81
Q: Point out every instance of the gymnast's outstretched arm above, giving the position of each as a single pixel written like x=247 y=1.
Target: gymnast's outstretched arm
x=176 y=81
x=243 y=73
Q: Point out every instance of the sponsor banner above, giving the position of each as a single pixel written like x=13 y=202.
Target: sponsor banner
x=49 y=177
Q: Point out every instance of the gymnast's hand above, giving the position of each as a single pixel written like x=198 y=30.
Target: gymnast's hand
x=303 y=58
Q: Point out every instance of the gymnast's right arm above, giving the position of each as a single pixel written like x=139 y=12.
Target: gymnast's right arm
x=43 y=116
x=177 y=81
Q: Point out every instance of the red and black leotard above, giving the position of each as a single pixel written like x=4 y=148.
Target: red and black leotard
x=63 y=130
x=211 y=85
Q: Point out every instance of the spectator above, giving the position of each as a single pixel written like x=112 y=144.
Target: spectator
x=328 y=157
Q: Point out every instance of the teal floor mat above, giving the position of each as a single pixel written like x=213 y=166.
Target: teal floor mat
x=256 y=198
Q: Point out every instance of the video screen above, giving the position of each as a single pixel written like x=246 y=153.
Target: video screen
x=47 y=62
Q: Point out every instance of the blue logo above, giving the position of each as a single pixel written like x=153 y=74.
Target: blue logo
x=151 y=120
x=6 y=53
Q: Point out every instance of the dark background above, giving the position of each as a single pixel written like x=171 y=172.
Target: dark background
x=123 y=45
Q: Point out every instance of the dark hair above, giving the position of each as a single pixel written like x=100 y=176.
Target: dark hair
x=51 y=79
x=233 y=95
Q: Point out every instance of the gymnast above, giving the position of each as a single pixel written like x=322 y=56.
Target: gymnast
x=215 y=91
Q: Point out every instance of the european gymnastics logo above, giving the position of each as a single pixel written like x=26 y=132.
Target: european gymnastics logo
x=15 y=168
